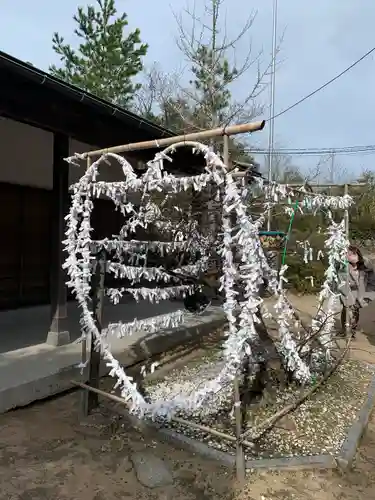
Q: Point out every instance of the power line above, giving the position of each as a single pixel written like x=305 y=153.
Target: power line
x=363 y=147
x=368 y=149
x=311 y=153
x=325 y=84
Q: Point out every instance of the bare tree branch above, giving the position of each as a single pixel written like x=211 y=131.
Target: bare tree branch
x=206 y=34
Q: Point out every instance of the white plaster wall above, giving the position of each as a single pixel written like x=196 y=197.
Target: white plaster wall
x=26 y=154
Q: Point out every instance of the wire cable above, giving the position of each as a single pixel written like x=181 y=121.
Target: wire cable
x=324 y=85
x=367 y=147
x=359 y=150
x=253 y=152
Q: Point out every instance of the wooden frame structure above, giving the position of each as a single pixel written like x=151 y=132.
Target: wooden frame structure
x=90 y=385
x=90 y=396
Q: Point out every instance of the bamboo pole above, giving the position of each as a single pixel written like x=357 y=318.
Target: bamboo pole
x=240 y=455
x=298 y=188
x=196 y=136
x=177 y=420
x=97 y=310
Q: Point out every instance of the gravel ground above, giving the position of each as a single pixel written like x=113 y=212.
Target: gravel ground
x=67 y=460
x=319 y=425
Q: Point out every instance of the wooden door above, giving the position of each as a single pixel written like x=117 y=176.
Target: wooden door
x=36 y=248
x=10 y=244
x=25 y=257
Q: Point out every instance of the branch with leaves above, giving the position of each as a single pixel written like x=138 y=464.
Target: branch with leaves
x=106 y=61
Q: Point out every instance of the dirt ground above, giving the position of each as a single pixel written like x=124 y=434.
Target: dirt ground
x=48 y=452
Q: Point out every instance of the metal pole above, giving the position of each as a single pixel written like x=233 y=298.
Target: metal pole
x=240 y=456
x=347 y=311
x=332 y=172
x=271 y=133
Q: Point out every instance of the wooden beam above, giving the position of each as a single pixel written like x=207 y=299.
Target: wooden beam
x=90 y=399
x=58 y=333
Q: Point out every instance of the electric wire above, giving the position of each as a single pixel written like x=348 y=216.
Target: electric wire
x=326 y=84
x=294 y=152
x=364 y=149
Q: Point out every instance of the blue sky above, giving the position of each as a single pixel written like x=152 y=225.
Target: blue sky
x=321 y=38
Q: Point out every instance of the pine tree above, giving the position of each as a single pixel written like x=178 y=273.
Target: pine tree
x=106 y=60
x=212 y=78
x=215 y=67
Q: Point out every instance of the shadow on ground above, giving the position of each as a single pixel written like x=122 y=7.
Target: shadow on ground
x=356 y=484
x=46 y=453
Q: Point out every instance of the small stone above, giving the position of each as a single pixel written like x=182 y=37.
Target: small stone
x=150 y=470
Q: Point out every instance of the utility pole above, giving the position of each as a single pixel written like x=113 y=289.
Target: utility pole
x=332 y=172
x=332 y=169
x=271 y=136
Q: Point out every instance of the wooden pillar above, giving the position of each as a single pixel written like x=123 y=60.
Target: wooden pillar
x=90 y=399
x=240 y=456
x=58 y=332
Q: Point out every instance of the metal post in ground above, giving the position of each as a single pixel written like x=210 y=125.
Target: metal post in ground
x=347 y=232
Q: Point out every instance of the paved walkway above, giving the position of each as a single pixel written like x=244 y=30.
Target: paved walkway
x=36 y=371
x=41 y=370
x=363 y=347
x=27 y=327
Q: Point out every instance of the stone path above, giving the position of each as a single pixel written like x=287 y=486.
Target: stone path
x=363 y=347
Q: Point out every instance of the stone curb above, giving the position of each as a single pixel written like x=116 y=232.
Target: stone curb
x=59 y=380
x=179 y=440
x=348 y=451
x=164 y=341
x=344 y=460
x=323 y=461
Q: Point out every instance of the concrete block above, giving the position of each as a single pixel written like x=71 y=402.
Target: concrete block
x=57 y=339
x=39 y=373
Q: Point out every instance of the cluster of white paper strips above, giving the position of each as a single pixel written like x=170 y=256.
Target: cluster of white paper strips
x=250 y=272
